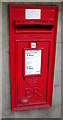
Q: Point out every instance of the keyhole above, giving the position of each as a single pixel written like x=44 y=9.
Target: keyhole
x=24 y=78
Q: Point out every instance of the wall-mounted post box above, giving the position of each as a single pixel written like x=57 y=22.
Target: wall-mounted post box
x=33 y=32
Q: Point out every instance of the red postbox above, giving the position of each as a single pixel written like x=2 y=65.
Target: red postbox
x=33 y=32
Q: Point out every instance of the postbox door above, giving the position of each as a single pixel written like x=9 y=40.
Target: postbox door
x=31 y=88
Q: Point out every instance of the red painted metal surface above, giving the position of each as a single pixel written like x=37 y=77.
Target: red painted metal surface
x=32 y=91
